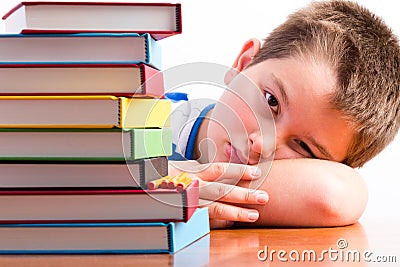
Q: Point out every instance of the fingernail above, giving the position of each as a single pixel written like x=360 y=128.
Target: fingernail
x=252 y=215
x=229 y=223
x=255 y=172
x=262 y=198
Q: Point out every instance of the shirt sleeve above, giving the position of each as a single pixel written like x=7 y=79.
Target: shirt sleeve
x=185 y=123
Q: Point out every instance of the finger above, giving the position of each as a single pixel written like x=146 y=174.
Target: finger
x=222 y=211
x=229 y=193
x=230 y=171
x=220 y=224
x=224 y=172
x=227 y=172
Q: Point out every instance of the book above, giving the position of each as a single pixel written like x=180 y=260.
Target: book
x=91 y=48
x=82 y=144
x=72 y=174
x=83 y=112
x=197 y=254
x=88 y=238
x=97 y=205
x=81 y=79
x=158 y=19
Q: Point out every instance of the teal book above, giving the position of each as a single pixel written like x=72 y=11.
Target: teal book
x=60 y=144
x=80 y=48
x=110 y=238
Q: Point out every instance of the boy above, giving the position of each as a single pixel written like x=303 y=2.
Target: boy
x=330 y=78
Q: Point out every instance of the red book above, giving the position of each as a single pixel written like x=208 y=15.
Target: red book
x=81 y=79
x=94 y=205
x=159 y=19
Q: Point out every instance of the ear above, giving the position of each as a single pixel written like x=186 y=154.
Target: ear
x=249 y=50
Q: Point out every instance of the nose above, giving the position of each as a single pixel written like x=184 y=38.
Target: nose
x=262 y=146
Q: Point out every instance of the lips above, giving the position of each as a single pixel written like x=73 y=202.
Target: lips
x=234 y=155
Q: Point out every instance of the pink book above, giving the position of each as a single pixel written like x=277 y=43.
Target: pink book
x=129 y=80
x=98 y=205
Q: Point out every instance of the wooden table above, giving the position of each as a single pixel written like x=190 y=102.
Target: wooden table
x=248 y=247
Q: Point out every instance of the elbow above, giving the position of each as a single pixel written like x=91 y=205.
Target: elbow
x=342 y=199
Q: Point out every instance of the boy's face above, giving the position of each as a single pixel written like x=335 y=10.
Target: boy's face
x=295 y=91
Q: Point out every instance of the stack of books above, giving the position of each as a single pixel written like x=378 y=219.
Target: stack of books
x=84 y=129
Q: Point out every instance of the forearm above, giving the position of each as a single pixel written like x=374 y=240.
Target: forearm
x=306 y=192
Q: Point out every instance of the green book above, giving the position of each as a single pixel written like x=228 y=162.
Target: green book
x=84 y=144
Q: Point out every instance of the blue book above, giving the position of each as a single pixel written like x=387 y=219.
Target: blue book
x=96 y=238
x=91 y=48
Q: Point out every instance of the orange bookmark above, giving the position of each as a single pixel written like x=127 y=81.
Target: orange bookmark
x=183 y=183
x=157 y=183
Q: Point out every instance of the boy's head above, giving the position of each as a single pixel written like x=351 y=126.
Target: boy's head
x=363 y=54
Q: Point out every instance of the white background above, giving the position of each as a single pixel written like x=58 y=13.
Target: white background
x=214 y=31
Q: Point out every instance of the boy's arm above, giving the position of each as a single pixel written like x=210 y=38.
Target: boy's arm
x=302 y=192
x=310 y=192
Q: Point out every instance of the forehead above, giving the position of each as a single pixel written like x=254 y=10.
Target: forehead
x=305 y=73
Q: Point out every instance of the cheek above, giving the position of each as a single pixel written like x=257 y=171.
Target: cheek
x=217 y=137
x=228 y=124
x=216 y=130
x=237 y=113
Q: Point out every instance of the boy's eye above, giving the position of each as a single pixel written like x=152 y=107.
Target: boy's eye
x=272 y=101
x=306 y=148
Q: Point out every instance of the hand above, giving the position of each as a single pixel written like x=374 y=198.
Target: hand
x=219 y=193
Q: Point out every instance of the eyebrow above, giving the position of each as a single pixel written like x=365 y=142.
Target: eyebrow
x=321 y=148
x=279 y=84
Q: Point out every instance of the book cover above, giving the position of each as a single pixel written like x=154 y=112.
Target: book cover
x=159 y=19
x=33 y=205
x=83 y=112
x=84 y=144
x=196 y=254
x=127 y=80
x=88 y=48
x=77 y=174
x=110 y=238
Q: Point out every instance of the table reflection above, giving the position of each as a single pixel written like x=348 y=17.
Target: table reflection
x=338 y=246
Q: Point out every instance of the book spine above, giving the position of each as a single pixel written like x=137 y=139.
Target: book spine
x=157 y=113
x=142 y=177
x=178 y=12
x=152 y=51
x=148 y=143
x=170 y=238
x=152 y=82
x=153 y=169
x=190 y=198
